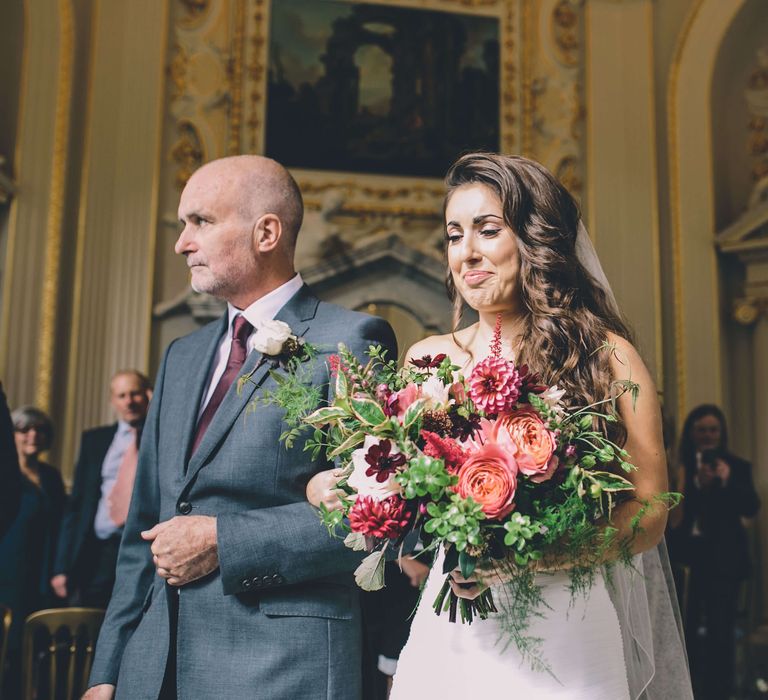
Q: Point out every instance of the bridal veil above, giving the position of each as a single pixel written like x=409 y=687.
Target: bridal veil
x=644 y=594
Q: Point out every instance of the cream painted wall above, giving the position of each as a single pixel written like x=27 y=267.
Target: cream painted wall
x=621 y=167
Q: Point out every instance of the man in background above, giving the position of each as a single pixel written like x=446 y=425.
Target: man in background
x=104 y=474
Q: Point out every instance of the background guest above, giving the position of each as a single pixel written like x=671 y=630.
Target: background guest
x=709 y=535
x=27 y=547
x=104 y=473
x=10 y=476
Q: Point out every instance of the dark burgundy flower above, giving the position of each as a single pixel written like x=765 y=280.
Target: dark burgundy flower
x=464 y=428
x=529 y=383
x=382 y=519
x=383 y=462
x=429 y=362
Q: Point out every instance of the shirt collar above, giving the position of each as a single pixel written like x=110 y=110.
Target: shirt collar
x=123 y=428
x=266 y=307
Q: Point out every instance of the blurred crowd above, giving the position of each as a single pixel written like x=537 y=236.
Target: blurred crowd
x=60 y=550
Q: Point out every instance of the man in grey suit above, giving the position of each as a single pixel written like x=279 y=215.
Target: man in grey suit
x=228 y=585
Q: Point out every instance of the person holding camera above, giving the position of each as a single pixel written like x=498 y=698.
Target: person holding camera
x=709 y=535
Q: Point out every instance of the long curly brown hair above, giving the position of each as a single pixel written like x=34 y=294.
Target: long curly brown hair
x=568 y=315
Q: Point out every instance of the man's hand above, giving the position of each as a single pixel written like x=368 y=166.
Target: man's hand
x=416 y=570
x=103 y=691
x=184 y=548
x=59 y=585
x=322 y=489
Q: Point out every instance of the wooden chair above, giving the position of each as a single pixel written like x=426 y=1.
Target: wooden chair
x=54 y=641
x=7 y=618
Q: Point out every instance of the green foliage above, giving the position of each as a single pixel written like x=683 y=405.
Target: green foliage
x=425 y=476
x=457 y=521
x=296 y=397
x=368 y=411
x=446 y=371
x=370 y=574
x=522 y=531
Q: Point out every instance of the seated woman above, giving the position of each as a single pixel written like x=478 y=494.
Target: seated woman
x=27 y=547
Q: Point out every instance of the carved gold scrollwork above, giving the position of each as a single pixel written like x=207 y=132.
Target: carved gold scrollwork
x=756 y=94
x=509 y=101
x=566 y=28
x=568 y=171
x=187 y=152
x=257 y=74
x=177 y=71
x=196 y=11
x=748 y=309
x=235 y=79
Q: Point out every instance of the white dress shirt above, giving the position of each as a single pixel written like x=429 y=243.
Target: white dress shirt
x=263 y=309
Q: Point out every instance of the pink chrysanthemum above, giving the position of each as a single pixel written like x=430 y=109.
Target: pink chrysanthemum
x=382 y=519
x=494 y=385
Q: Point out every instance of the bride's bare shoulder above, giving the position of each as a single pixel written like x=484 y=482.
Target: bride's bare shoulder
x=450 y=344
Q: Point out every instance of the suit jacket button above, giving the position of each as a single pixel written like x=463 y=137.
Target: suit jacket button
x=246 y=583
x=185 y=508
x=277 y=578
x=256 y=582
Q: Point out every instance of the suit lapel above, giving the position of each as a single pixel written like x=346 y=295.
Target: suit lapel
x=300 y=309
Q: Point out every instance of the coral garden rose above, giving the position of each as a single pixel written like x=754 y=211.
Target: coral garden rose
x=489 y=477
x=535 y=444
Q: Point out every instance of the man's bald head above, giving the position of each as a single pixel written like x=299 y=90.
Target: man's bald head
x=262 y=186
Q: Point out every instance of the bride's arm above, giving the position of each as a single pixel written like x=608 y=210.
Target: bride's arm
x=645 y=446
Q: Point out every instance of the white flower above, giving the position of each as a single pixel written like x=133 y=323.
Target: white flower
x=435 y=392
x=552 y=397
x=368 y=485
x=271 y=336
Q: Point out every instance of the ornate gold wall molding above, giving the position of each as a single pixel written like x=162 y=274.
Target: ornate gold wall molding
x=675 y=206
x=235 y=75
x=52 y=272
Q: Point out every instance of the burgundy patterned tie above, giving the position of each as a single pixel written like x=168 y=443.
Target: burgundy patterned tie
x=241 y=329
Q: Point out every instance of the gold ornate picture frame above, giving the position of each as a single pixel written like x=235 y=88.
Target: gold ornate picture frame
x=217 y=95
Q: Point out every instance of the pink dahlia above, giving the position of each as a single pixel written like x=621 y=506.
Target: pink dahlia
x=382 y=519
x=494 y=385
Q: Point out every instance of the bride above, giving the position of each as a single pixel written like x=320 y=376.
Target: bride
x=515 y=247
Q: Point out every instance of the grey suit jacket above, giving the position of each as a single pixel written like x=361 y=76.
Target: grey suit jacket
x=279 y=618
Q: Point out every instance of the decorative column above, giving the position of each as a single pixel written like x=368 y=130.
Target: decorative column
x=114 y=268
x=621 y=162
x=31 y=274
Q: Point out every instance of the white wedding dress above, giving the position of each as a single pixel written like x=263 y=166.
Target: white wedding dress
x=580 y=643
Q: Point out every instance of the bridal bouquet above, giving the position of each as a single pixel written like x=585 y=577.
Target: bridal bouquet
x=493 y=468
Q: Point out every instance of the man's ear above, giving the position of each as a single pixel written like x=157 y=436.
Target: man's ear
x=267 y=232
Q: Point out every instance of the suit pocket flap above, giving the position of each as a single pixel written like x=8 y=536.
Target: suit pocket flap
x=332 y=602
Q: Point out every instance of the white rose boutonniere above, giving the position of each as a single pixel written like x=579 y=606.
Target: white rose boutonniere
x=271 y=338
